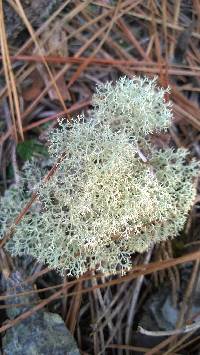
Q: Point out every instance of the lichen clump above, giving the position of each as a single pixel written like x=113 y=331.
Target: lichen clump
x=114 y=193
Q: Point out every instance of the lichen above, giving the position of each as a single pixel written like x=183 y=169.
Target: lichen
x=114 y=193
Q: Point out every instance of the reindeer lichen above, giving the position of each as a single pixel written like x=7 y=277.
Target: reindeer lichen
x=114 y=193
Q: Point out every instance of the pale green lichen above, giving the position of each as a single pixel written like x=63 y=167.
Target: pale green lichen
x=135 y=105
x=114 y=193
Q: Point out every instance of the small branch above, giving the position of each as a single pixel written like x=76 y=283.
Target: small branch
x=133 y=304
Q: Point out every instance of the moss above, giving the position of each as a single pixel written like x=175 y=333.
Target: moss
x=29 y=148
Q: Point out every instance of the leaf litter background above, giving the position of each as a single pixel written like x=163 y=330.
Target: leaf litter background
x=53 y=53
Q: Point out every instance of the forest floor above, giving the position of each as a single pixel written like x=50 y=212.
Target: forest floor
x=53 y=54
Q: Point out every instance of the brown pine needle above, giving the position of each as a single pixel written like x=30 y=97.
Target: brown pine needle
x=10 y=79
